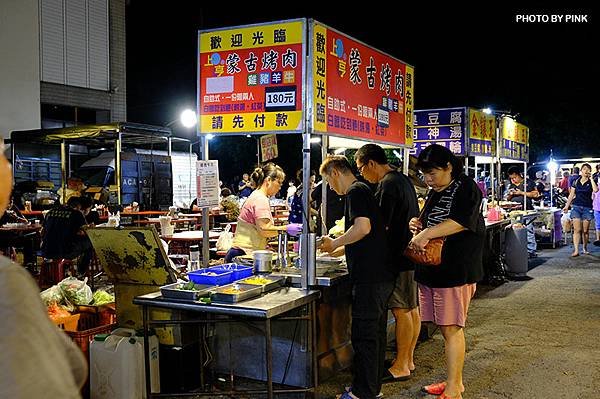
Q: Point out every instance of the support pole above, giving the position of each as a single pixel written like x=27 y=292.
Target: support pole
x=118 y=167
x=307 y=250
x=324 y=153
x=63 y=170
x=405 y=160
x=205 y=213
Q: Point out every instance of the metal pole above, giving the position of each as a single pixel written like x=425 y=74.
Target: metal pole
x=324 y=153
x=169 y=144
x=467 y=165
x=307 y=256
x=118 y=167
x=13 y=154
x=499 y=155
x=405 y=160
x=525 y=186
x=205 y=213
x=257 y=151
x=63 y=171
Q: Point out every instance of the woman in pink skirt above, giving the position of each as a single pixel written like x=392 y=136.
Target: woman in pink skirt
x=452 y=210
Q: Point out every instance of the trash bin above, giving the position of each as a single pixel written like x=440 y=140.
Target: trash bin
x=516 y=251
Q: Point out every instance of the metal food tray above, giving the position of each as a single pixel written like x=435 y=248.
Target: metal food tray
x=248 y=291
x=276 y=282
x=170 y=291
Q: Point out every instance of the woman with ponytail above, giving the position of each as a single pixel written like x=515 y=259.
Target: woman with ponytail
x=255 y=223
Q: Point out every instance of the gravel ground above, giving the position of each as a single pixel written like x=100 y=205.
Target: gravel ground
x=536 y=338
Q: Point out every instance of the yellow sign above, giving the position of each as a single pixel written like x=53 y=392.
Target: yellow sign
x=514 y=131
x=256 y=36
x=251 y=78
x=319 y=76
x=268 y=147
x=252 y=122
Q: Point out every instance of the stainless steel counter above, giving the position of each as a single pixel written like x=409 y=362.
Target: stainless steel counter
x=327 y=279
x=266 y=306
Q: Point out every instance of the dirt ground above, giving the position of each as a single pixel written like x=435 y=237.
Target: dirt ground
x=536 y=338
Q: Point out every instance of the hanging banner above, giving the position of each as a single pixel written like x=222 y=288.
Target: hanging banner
x=250 y=78
x=358 y=91
x=207 y=184
x=515 y=140
x=482 y=128
x=268 y=147
x=446 y=127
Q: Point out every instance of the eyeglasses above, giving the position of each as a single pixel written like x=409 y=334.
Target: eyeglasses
x=361 y=167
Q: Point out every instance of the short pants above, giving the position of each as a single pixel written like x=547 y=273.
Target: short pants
x=446 y=306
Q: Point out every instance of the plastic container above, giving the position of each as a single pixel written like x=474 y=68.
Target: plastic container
x=116 y=368
x=217 y=277
x=238 y=271
x=154 y=356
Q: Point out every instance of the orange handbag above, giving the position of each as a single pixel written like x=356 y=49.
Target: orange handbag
x=432 y=256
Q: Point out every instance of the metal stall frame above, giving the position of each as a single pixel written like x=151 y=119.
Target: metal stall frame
x=119 y=133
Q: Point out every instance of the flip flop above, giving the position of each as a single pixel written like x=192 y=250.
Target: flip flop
x=574 y=255
x=389 y=377
x=435 y=388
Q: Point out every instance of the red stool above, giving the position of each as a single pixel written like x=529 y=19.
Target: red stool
x=53 y=271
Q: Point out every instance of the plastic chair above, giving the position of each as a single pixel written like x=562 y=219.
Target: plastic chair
x=53 y=271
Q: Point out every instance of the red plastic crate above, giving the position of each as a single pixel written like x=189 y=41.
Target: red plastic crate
x=89 y=325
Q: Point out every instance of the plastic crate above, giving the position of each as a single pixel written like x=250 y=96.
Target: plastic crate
x=238 y=271
x=201 y=277
x=89 y=325
x=106 y=313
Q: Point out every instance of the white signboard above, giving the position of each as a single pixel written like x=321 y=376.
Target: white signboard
x=207 y=183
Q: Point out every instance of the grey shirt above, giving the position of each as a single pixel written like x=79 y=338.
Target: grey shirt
x=37 y=360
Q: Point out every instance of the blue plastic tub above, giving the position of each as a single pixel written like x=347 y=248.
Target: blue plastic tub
x=238 y=271
x=216 y=277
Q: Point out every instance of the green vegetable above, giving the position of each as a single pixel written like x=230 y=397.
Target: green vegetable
x=102 y=297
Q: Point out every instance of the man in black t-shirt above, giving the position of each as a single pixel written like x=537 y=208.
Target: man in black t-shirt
x=397 y=201
x=63 y=236
x=518 y=193
x=372 y=281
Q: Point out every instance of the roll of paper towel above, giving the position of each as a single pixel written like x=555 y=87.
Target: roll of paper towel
x=166 y=228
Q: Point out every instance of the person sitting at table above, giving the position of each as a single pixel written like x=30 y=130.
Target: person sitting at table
x=63 y=235
x=255 y=223
x=25 y=240
x=12 y=214
x=229 y=204
x=245 y=186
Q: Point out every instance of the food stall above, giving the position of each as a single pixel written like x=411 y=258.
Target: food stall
x=238 y=97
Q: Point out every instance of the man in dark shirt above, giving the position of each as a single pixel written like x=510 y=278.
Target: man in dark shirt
x=372 y=281
x=397 y=200
x=518 y=193
x=63 y=236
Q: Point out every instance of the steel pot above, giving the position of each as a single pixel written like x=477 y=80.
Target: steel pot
x=263 y=261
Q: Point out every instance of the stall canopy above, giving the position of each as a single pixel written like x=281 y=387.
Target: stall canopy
x=133 y=134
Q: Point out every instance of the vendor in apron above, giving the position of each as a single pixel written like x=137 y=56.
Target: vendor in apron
x=255 y=224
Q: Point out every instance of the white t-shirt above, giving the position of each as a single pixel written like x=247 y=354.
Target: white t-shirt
x=37 y=360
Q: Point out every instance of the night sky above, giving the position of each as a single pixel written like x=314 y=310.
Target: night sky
x=545 y=72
